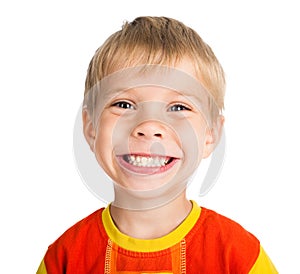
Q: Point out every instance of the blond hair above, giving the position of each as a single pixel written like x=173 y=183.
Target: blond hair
x=160 y=41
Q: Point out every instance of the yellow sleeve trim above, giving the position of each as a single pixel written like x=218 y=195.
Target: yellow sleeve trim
x=263 y=264
x=153 y=245
x=42 y=268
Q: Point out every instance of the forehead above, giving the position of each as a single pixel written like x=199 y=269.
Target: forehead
x=150 y=93
x=180 y=79
x=186 y=66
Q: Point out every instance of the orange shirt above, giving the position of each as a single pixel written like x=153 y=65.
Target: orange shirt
x=205 y=242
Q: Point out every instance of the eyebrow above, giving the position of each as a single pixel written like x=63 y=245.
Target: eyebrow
x=178 y=95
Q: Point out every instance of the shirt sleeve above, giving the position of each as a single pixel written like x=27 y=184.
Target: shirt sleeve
x=263 y=264
x=42 y=268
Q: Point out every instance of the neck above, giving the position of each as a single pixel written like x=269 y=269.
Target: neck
x=151 y=223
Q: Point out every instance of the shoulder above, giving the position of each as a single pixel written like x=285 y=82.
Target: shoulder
x=226 y=243
x=81 y=229
x=83 y=240
x=227 y=229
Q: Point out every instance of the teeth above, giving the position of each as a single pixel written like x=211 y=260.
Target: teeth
x=143 y=161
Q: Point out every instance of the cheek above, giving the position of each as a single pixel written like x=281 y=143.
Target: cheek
x=103 y=141
x=193 y=142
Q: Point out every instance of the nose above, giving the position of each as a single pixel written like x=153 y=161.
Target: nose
x=150 y=130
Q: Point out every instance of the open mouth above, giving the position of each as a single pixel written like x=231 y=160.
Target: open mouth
x=147 y=164
x=147 y=161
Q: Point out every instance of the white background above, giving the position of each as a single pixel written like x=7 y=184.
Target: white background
x=45 y=50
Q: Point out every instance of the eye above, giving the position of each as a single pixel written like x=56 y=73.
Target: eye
x=123 y=104
x=178 y=107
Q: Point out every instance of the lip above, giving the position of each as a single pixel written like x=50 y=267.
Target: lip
x=146 y=170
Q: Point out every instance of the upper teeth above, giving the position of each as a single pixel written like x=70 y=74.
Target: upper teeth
x=144 y=161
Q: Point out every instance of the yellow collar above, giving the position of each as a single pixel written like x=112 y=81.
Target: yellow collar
x=152 y=245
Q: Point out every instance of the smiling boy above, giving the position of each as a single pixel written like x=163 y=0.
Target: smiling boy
x=152 y=111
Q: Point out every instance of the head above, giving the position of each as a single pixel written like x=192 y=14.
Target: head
x=155 y=142
x=160 y=41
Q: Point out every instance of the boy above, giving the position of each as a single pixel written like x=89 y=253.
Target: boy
x=152 y=110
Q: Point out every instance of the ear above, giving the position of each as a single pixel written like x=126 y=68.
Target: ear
x=213 y=136
x=88 y=129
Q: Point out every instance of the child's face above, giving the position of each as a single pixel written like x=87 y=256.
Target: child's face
x=148 y=137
